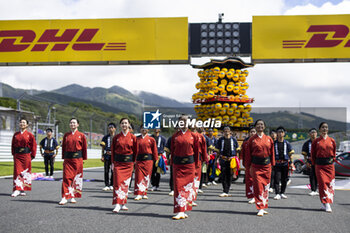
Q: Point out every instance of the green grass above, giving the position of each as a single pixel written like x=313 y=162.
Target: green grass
x=6 y=168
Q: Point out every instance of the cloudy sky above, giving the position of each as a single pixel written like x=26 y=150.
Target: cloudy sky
x=272 y=85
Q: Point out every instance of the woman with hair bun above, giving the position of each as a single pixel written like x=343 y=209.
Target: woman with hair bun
x=74 y=151
x=184 y=159
x=124 y=151
x=323 y=154
x=23 y=150
x=260 y=157
x=146 y=156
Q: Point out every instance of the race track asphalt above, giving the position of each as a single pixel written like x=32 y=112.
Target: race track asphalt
x=39 y=210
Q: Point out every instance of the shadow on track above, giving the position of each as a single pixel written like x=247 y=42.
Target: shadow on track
x=293 y=208
x=225 y=212
x=38 y=201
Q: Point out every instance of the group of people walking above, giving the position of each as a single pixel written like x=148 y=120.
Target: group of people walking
x=193 y=159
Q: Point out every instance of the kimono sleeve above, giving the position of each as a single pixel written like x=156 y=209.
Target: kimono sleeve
x=64 y=145
x=13 y=145
x=32 y=146
x=248 y=155
x=135 y=147
x=334 y=148
x=272 y=151
x=196 y=149
x=172 y=148
x=241 y=153
x=114 y=140
x=154 y=149
x=204 y=150
x=313 y=151
x=84 y=147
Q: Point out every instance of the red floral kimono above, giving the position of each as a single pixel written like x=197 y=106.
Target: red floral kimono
x=23 y=150
x=147 y=154
x=323 y=149
x=260 y=157
x=124 y=150
x=74 y=151
x=203 y=157
x=184 y=157
x=249 y=189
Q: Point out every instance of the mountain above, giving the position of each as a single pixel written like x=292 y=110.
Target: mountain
x=8 y=91
x=160 y=101
x=291 y=121
x=114 y=99
x=66 y=100
x=121 y=98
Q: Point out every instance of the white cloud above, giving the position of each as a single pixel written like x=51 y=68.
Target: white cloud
x=272 y=85
x=326 y=8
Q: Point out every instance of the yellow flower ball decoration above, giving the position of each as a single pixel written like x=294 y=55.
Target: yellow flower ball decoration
x=236 y=89
x=228 y=82
x=229 y=88
x=233 y=118
x=222 y=74
x=250 y=120
x=242 y=78
x=218 y=106
x=216 y=70
x=225 y=119
x=226 y=105
x=211 y=94
x=218 y=118
x=223 y=93
x=237 y=113
x=200 y=73
x=230 y=111
x=222 y=111
x=223 y=82
x=248 y=107
x=221 y=87
x=229 y=75
x=235 y=78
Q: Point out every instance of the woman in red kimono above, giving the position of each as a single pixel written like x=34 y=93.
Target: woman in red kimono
x=203 y=157
x=124 y=152
x=23 y=150
x=249 y=190
x=147 y=154
x=184 y=159
x=74 y=151
x=260 y=157
x=323 y=151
